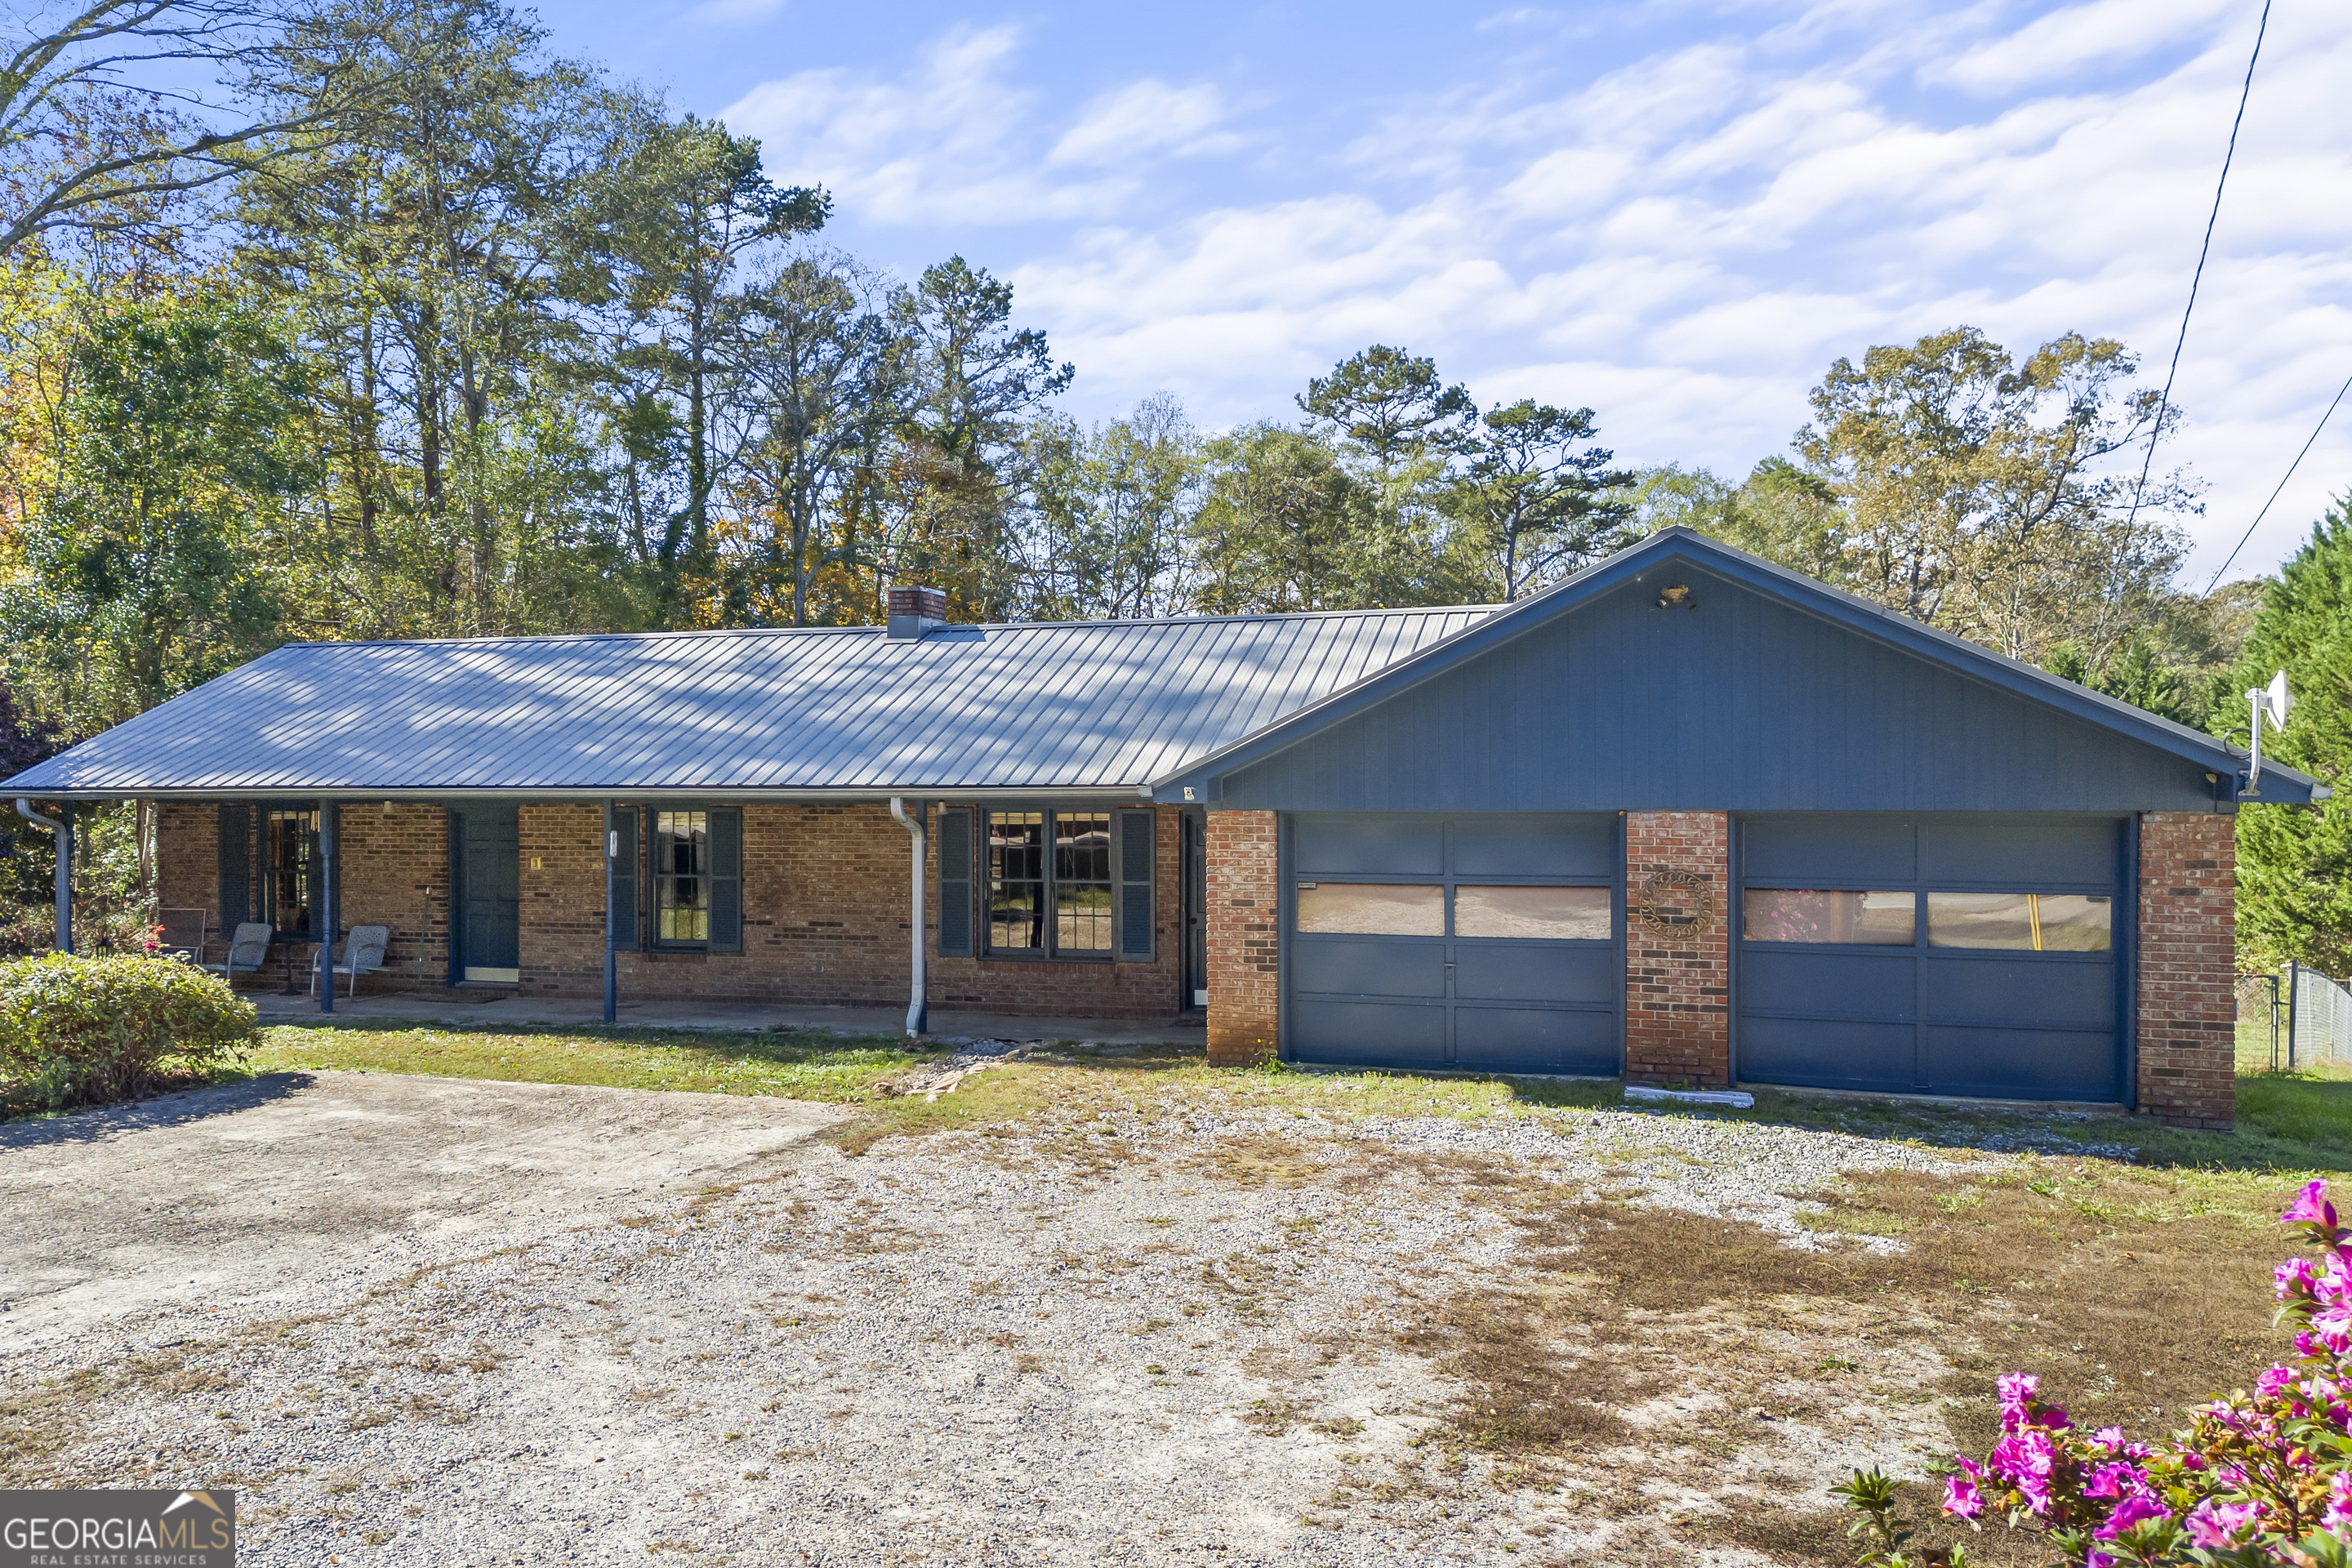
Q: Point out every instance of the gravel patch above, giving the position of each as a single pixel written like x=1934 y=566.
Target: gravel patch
x=1111 y=1340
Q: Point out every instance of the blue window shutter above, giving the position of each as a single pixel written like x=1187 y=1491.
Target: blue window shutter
x=1136 y=850
x=235 y=868
x=625 y=878
x=955 y=882
x=726 y=879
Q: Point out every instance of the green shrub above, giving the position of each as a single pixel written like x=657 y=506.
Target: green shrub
x=87 y=1031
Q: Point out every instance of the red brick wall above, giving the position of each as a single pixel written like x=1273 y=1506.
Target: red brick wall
x=1245 y=902
x=395 y=873
x=1677 y=991
x=2188 y=968
x=824 y=925
x=187 y=865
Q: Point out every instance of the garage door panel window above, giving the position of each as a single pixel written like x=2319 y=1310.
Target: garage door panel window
x=1372 y=909
x=1551 y=914
x=1829 y=915
x=2028 y=922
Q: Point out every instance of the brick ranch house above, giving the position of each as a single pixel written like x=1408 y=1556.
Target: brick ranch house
x=1684 y=817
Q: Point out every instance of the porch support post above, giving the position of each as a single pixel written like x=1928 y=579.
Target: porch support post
x=59 y=827
x=612 y=919
x=918 y=1018
x=330 y=863
x=65 y=877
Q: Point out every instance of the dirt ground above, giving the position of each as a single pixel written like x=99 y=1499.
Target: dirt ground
x=422 y=1321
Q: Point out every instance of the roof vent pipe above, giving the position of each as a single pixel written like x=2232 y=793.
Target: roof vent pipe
x=917 y=612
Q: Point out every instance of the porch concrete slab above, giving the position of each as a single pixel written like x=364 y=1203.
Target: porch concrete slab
x=505 y=1009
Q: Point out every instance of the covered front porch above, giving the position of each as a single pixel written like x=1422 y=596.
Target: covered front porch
x=754 y=911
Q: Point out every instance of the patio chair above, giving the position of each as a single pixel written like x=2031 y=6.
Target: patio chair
x=247 y=950
x=184 y=931
x=363 y=952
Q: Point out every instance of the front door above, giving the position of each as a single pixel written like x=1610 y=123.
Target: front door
x=1196 y=910
x=488 y=898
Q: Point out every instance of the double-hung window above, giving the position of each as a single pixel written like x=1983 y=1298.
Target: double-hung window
x=290 y=857
x=681 y=865
x=1049 y=884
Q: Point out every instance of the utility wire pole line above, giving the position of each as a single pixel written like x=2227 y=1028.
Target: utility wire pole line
x=2164 y=401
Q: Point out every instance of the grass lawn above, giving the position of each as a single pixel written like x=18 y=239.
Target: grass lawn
x=2286 y=1121
x=798 y=1064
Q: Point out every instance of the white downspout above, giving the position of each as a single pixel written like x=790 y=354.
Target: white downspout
x=64 y=836
x=918 y=1010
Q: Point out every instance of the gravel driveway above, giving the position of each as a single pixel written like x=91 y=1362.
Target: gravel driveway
x=428 y=1321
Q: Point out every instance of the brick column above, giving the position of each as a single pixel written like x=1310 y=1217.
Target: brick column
x=1245 y=900
x=1678 y=981
x=2188 y=968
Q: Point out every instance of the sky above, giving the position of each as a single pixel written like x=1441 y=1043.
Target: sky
x=1674 y=211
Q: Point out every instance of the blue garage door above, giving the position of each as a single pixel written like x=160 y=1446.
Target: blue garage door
x=1485 y=942
x=1967 y=957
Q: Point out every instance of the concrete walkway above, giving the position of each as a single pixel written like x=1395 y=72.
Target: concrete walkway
x=499 y=1009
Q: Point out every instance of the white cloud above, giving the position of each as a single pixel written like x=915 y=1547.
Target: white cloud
x=1684 y=240
x=1148 y=116
x=733 y=11
x=2103 y=32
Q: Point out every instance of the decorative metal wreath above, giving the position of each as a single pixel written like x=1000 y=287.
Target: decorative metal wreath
x=1678 y=906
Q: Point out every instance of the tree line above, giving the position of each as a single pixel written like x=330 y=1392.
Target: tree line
x=443 y=334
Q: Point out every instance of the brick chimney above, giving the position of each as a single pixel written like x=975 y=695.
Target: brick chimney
x=917 y=612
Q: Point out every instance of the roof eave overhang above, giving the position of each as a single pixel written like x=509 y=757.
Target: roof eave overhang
x=1202 y=779
x=1123 y=794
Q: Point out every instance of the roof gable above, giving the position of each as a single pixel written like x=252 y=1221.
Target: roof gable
x=1772 y=691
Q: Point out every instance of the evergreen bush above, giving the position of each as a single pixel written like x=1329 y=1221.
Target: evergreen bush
x=87 y=1031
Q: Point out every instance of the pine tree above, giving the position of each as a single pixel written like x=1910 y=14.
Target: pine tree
x=2295 y=863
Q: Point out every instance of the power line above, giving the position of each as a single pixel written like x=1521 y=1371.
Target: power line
x=2165 y=401
x=2291 y=468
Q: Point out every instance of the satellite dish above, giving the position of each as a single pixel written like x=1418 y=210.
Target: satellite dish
x=2276 y=701
x=2272 y=703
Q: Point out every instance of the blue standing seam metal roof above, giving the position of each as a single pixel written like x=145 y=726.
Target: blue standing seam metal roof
x=1105 y=705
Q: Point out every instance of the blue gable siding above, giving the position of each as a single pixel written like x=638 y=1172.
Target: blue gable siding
x=1744 y=703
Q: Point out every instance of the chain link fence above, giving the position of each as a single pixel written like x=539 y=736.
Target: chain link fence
x=2262 y=1033
x=2318 y=1020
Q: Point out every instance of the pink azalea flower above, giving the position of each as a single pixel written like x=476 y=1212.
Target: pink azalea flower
x=2132 y=1510
x=2113 y=1481
x=2333 y=1328
x=2294 y=1278
x=2270 y=1382
x=2311 y=1205
x=2216 y=1525
x=2111 y=1438
x=2023 y=1454
x=2016 y=1389
x=1961 y=1498
x=2339 y=1502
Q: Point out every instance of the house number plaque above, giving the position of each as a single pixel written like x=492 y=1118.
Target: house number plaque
x=1677 y=906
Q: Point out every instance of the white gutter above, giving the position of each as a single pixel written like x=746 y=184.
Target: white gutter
x=918 y=1010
